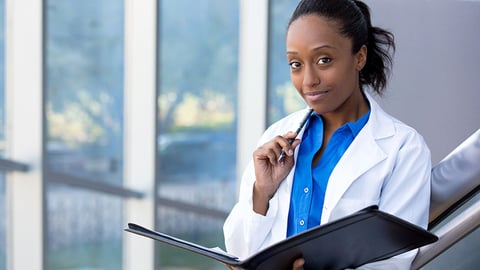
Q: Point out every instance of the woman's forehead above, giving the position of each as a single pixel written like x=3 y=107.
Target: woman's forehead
x=316 y=31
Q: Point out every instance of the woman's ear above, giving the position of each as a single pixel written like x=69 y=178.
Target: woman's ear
x=361 y=57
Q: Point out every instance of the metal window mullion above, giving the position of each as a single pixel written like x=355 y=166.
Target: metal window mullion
x=252 y=89
x=139 y=127
x=24 y=103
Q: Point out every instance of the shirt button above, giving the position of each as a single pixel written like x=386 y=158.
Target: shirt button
x=305 y=190
x=302 y=222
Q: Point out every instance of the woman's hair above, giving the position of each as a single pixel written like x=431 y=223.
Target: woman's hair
x=353 y=20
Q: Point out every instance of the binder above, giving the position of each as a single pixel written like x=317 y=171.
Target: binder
x=366 y=236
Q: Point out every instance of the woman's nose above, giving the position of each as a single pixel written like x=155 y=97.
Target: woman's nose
x=310 y=77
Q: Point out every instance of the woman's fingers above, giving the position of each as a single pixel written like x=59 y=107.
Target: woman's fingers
x=298 y=264
x=289 y=143
x=271 y=150
x=283 y=144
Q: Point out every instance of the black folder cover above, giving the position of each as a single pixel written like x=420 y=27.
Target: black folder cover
x=366 y=236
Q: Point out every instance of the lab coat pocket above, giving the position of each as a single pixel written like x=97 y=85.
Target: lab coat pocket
x=347 y=207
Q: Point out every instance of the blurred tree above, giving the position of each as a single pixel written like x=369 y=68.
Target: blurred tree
x=197 y=60
x=279 y=71
x=84 y=58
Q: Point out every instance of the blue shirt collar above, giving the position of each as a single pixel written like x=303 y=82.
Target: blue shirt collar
x=356 y=126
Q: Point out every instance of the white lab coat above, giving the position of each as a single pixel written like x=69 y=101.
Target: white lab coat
x=388 y=164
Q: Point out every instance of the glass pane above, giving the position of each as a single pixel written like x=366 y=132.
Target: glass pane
x=198 y=65
x=84 y=108
x=193 y=228
x=84 y=229
x=3 y=214
x=84 y=86
x=282 y=96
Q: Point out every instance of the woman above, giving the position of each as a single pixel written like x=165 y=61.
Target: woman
x=352 y=154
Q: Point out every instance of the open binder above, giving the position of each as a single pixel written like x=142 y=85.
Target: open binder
x=366 y=236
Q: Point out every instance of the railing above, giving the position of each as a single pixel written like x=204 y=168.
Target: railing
x=193 y=208
x=467 y=221
x=90 y=184
x=454 y=207
x=8 y=165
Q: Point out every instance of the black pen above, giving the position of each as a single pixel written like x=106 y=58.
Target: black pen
x=302 y=124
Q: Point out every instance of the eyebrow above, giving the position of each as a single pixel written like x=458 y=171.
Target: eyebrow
x=315 y=49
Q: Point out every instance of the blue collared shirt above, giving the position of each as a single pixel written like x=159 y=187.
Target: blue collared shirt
x=310 y=183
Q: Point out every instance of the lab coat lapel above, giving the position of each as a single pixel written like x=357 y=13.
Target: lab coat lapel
x=362 y=155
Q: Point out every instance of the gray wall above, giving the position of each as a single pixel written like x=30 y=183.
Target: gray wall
x=435 y=84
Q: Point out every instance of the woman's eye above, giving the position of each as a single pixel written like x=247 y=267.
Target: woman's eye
x=294 y=65
x=324 y=60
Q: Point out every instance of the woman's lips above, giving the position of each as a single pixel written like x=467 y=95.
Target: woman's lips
x=316 y=95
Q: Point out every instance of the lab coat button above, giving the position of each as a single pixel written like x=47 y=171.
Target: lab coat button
x=302 y=222
x=305 y=190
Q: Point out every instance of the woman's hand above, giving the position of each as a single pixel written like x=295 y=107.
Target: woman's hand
x=298 y=264
x=269 y=170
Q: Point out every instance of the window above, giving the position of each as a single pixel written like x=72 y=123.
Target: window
x=197 y=102
x=282 y=96
x=84 y=229
x=84 y=51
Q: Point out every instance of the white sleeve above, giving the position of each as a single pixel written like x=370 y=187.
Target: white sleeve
x=244 y=230
x=406 y=194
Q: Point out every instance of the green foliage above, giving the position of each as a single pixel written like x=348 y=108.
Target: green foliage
x=86 y=120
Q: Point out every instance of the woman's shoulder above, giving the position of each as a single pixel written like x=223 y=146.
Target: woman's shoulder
x=387 y=125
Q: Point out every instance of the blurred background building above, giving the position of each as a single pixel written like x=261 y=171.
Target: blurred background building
x=117 y=111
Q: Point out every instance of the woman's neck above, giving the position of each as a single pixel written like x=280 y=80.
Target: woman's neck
x=351 y=110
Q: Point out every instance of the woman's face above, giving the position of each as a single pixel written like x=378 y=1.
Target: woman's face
x=323 y=68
